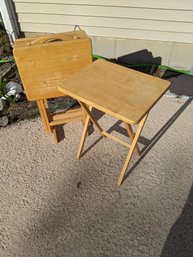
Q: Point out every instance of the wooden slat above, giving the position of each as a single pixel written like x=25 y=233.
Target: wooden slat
x=130 y=153
x=172 y=4
x=115 y=90
x=88 y=113
x=68 y=114
x=132 y=136
x=112 y=32
x=65 y=120
x=84 y=133
x=184 y=27
x=120 y=141
x=44 y=115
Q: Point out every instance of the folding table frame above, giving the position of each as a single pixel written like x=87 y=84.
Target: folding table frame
x=123 y=93
x=133 y=137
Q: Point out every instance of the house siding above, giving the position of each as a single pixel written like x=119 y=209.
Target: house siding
x=167 y=21
x=162 y=21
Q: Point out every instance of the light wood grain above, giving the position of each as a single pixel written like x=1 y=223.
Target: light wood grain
x=123 y=93
x=66 y=117
x=42 y=39
x=131 y=150
x=44 y=115
x=45 y=61
x=43 y=66
x=116 y=139
x=84 y=134
x=67 y=114
x=132 y=135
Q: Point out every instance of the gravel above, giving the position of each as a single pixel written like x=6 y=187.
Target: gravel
x=54 y=205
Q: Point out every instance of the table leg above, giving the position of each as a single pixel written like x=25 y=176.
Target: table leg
x=88 y=112
x=133 y=145
x=85 y=130
x=132 y=135
x=44 y=115
x=84 y=133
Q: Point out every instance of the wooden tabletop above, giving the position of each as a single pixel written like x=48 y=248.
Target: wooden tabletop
x=124 y=93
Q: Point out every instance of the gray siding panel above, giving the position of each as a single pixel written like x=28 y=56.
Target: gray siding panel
x=183 y=27
x=164 y=4
x=166 y=20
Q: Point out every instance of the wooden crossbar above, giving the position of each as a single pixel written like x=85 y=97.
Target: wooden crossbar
x=133 y=136
x=120 y=141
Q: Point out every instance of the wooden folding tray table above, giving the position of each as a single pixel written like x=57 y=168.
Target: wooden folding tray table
x=45 y=61
x=123 y=93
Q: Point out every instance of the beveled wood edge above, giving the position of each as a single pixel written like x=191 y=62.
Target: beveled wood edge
x=119 y=117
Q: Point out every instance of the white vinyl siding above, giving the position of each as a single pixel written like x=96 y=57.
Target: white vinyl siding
x=142 y=19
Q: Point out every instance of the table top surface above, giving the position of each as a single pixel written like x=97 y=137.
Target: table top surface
x=124 y=93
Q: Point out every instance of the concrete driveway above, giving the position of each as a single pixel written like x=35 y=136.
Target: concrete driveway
x=54 y=205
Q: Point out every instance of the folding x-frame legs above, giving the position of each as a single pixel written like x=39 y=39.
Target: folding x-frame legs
x=133 y=136
x=130 y=153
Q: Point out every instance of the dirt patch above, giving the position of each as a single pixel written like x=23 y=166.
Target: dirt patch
x=24 y=109
x=21 y=110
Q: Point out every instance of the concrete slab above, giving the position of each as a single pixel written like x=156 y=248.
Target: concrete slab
x=158 y=49
x=182 y=56
x=54 y=205
x=103 y=46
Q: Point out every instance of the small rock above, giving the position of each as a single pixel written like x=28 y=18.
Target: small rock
x=2 y=105
x=78 y=184
x=4 y=121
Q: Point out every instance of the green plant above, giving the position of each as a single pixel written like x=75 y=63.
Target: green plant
x=3 y=91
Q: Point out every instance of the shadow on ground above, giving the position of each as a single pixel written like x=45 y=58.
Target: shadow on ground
x=142 y=60
x=148 y=144
x=182 y=85
x=157 y=136
x=179 y=242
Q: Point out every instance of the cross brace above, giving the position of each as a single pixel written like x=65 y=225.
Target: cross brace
x=133 y=136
